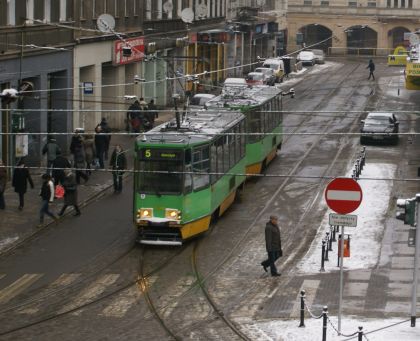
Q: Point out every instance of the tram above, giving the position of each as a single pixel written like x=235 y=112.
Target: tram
x=189 y=170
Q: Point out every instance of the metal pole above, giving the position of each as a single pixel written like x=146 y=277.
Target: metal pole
x=340 y=302
x=302 y=309
x=360 y=334
x=324 y=323
x=416 y=266
x=322 y=256
x=327 y=248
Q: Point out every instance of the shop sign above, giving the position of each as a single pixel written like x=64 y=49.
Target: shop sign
x=88 y=88
x=21 y=145
x=137 y=53
x=413 y=69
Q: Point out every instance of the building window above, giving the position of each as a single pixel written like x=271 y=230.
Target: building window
x=29 y=11
x=371 y=4
x=403 y=3
x=11 y=13
x=325 y=3
x=307 y=3
x=388 y=3
x=410 y=3
x=352 y=4
x=396 y=3
x=63 y=10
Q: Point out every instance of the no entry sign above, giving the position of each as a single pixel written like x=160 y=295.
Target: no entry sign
x=343 y=195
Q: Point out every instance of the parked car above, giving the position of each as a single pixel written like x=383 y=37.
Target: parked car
x=380 y=126
x=199 y=100
x=277 y=65
x=269 y=76
x=306 y=58
x=234 y=82
x=319 y=56
x=255 y=78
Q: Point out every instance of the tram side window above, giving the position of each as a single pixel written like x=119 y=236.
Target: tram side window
x=243 y=139
x=226 y=152
x=220 y=169
x=188 y=178
x=254 y=120
x=237 y=137
x=280 y=109
x=213 y=163
x=200 y=165
x=274 y=113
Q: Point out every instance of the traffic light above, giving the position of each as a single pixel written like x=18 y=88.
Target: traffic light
x=409 y=214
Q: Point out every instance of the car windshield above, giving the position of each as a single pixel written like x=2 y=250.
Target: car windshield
x=264 y=71
x=152 y=178
x=272 y=66
x=379 y=120
x=256 y=77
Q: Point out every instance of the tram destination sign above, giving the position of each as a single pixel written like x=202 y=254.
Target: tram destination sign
x=349 y=220
x=161 y=154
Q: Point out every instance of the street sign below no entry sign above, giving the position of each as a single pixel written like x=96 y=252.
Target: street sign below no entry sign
x=343 y=195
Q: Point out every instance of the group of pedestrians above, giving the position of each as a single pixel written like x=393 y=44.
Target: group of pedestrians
x=141 y=116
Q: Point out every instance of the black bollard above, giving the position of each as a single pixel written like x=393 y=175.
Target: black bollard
x=302 y=309
x=338 y=249
x=322 y=256
x=360 y=334
x=333 y=229
x=324 y=323
x=330 y=240
x=327 y=248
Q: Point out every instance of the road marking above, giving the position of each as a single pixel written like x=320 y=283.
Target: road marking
x=90 y=293
x=125 y=300
x=18 y=286
x=310 y=286
x=62 y=281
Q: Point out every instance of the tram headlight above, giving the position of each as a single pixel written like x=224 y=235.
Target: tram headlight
x=143 y=213
x=172 y=214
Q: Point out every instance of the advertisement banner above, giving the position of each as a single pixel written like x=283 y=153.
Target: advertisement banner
x=137 y=51
x=21 y=149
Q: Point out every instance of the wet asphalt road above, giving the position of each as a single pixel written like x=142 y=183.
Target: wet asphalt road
x=98 y=247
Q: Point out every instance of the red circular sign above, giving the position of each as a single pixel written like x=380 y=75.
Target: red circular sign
x=343 y=195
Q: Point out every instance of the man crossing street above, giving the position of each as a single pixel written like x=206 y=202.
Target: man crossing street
x=273 y=246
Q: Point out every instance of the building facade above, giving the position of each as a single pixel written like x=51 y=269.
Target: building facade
x=351 y=25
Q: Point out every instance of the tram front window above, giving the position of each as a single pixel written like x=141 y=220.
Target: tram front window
x=153 y=178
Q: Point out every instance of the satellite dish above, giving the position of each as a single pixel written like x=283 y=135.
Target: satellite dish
x=414 y=39
x=201 y=10
x=187 y=15
x=168 y=7
x=106 y=23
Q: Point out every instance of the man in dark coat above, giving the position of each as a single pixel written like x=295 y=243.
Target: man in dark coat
x=371 y=67
x=133 y=117
x=106 y=130
x=118 y=164
x=70 y=193
x=52 y=149
x=58 y=166
x=273 y=245
x=100 y=145
x=21 y=177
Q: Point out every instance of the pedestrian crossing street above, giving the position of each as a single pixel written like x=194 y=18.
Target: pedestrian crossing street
x=116 y=306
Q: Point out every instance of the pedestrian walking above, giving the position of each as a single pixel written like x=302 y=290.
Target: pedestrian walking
x=60 y=163
x=78 y=151
x=3 y=182
x=90 y=152
x=20 y=180
x=371 y=67
x=70 y=193
x=51 y=148
x=133 y=117
x=47 y=197
x=273 y=245
x=153 y=114
x=100 y=145
x=118 y=164
x=106 y=130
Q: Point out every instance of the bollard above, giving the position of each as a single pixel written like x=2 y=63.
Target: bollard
x=327 y=248
x=356 y=169
x=360 y=334
x=302 y=309
x=322 y=256
x=324 y=323
x=338 y=248
x=333 y=230
x=330 y=240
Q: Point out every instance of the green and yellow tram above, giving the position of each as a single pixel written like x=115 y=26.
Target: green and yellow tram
x=189 y=171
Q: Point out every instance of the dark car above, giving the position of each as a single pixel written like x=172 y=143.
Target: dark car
x=380 y=126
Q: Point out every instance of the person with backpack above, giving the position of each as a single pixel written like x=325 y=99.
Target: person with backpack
x=70 y=193
x=58 y=166
x=47 y=197
x=52 y=149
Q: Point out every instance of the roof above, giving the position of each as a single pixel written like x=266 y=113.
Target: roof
x=380 y=114
x=204 y=95
x=198 y=121
x=246 y=96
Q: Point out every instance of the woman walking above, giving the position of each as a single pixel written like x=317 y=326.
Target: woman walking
x=118 y=164
x=21 y=177
x=90 y=152
x=78 y=152
x=47 y=196
x=70 y=193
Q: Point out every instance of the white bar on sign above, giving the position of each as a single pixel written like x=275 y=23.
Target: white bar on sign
x=344 y=195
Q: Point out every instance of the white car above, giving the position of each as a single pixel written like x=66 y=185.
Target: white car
x=319 y=56
x=199 y=100
x=235 y=82
x=306 y=58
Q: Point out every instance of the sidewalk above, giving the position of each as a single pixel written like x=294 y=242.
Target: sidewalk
x=17 y=226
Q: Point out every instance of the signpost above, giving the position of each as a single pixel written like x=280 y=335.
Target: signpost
x=343 y=196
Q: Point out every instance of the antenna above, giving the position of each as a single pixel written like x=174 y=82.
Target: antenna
x=106 y=23
x=187 y=15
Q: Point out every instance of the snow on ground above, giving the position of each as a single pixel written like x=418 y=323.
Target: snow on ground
x=288 y=330
x=7 y=241
x=365 y=239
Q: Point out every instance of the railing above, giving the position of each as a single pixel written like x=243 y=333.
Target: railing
x=359 y=51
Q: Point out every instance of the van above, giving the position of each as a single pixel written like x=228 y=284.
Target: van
x=277 y=65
